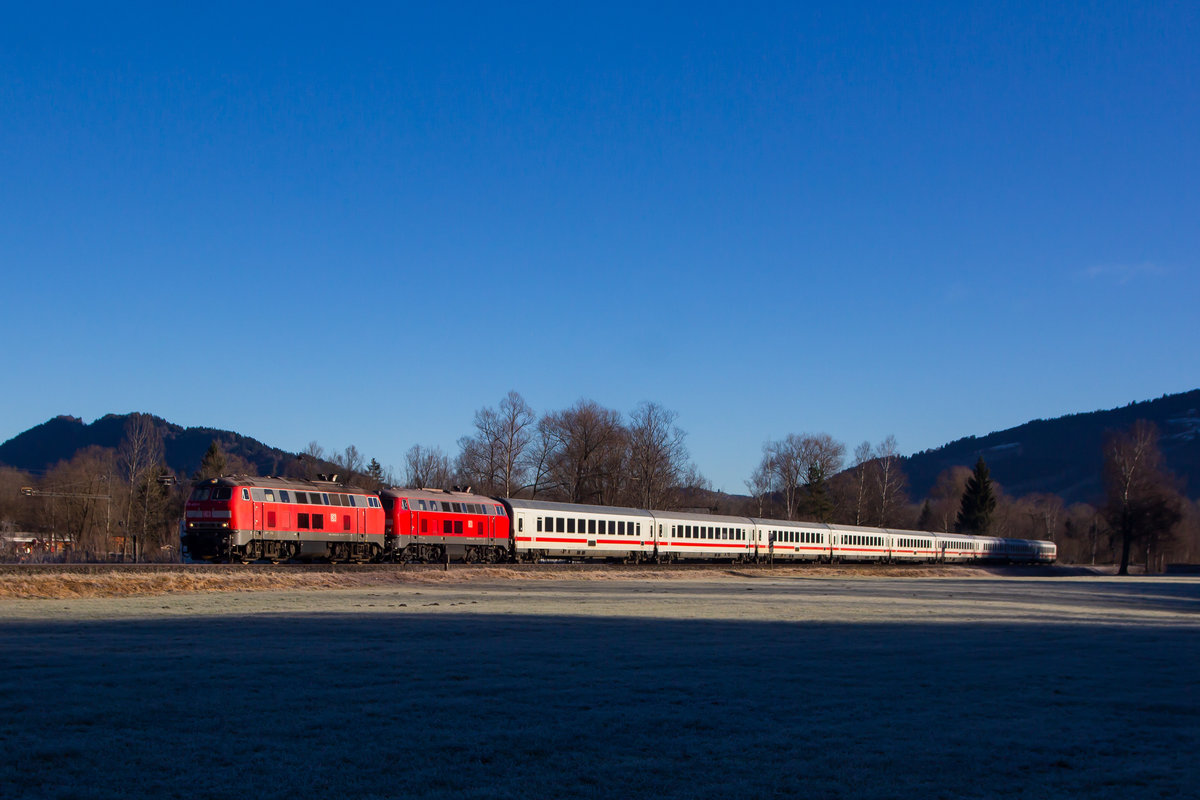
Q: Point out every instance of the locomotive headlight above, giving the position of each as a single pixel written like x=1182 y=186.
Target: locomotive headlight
x=224 y=524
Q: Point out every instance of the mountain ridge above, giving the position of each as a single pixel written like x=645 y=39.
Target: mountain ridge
x=1062 y=455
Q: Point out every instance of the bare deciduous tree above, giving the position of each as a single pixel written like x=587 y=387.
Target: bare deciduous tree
x=791 y=462
x=426 y=468
x=862 y=454
x=1142 y=504
x=945 y=498
x=890 y=481
x=588 y=446
x=350 y=462
x=658 y=457
x=495 y=458
x=140 y=460
x=760 y=486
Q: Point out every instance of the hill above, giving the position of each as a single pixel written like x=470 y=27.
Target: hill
x=1064 y=456
x=59 y=439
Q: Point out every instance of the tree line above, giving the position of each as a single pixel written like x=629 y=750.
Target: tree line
x=127 y=504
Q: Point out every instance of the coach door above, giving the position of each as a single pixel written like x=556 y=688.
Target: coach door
x=362 y=520
x=258 y=517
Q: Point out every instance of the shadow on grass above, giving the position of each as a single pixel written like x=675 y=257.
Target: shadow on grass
x=391 y=705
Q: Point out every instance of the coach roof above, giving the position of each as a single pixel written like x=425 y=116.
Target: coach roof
x=574 y=509
x=272 y=482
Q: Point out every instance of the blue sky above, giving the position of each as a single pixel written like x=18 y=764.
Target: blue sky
x=303 y=222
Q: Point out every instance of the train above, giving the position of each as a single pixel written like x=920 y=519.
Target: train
x=243 y=518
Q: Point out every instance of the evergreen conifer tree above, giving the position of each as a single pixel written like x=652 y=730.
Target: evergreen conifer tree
x=375 y=474
x=817 y=503
x=925 y=520
x=213 y=464
x=978 y=502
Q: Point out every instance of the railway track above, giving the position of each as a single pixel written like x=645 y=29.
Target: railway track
x=321 y=567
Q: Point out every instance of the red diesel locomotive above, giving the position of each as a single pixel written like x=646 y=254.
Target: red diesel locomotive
x=243 y=518
x=432 y=525
x=239 y=518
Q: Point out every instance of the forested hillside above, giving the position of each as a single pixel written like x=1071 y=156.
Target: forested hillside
x=1064 y=456
x=59 y=439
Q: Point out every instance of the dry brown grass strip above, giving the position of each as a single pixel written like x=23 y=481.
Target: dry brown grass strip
x=124 y=583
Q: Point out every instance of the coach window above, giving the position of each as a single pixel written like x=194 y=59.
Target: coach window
x=570 y=524
x=520 y=524
x=302 y=521
x=591 y=526
x=621 y=528
x=447 y=526
x=318 y=522
x=559 y=525
x=458 y=526
x=539 y=524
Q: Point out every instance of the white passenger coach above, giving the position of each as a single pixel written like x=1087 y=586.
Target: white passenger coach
x=566 y=530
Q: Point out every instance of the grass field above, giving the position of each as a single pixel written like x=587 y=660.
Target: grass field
x=719 y=685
